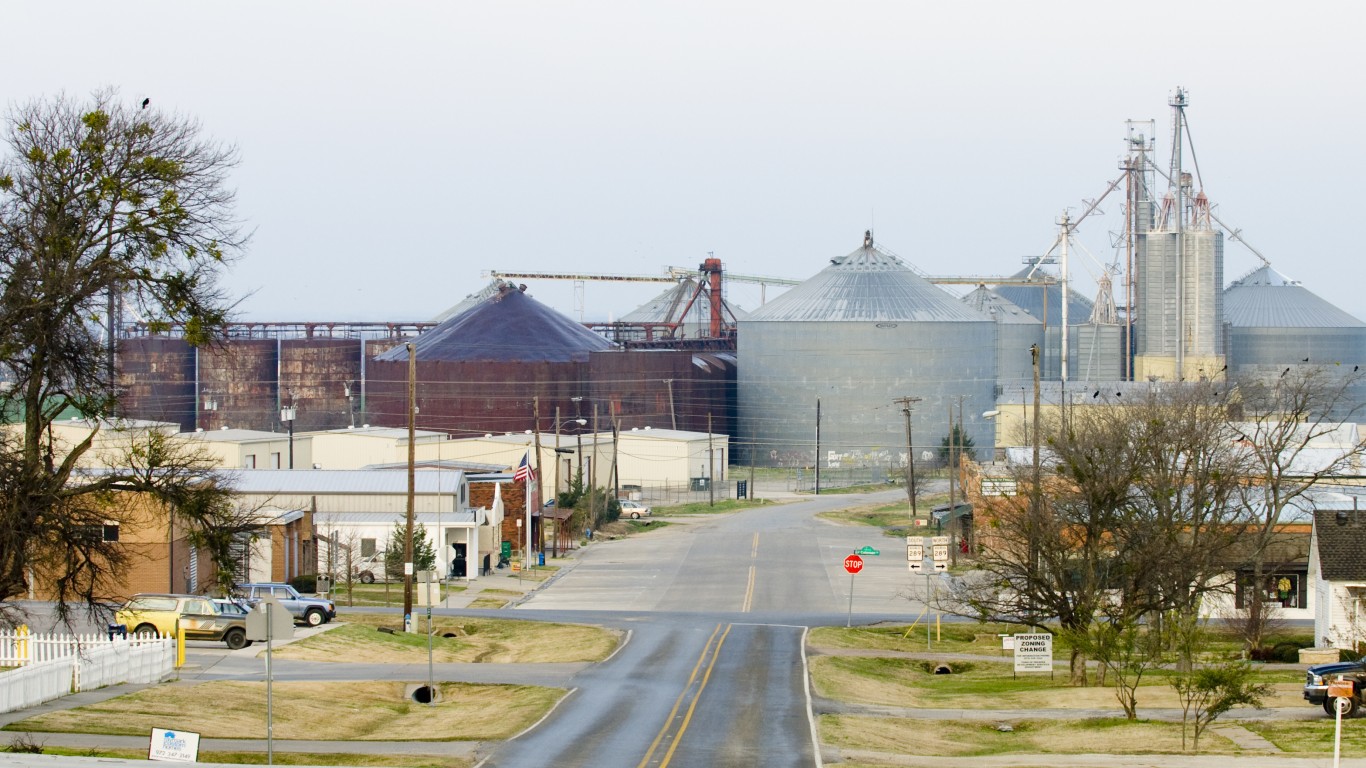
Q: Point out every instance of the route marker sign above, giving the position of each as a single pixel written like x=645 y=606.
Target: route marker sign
x=940 y=546
x=868 y=551
x=853 y=564
x=915 y=552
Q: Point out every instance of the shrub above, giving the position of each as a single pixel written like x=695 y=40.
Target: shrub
x=306 y=584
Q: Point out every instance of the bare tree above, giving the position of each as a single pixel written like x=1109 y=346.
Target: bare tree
x=1295 y=432
x=102 y=205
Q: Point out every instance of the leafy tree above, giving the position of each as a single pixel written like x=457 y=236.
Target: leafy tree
x=955 y=446
x=102 y=205
x=424 y=553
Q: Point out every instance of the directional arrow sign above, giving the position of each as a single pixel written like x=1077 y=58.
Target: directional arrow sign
x=868 y=551
x=853 y=564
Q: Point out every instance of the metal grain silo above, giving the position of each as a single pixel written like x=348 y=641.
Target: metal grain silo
x=1274 y=323
x=239 y=385
x=859 y=334
x=1016 y=331
x=481 y=370
x=1044 y=301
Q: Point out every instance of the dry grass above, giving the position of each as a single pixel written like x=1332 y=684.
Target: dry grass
x=476 y=639
x=355 y=711
x=287 y=758
x=960 y=738
x=977 y=685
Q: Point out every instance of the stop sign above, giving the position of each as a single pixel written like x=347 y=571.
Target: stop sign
x=853 y=563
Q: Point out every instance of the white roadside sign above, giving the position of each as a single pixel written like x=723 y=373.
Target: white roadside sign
x=1034 y=652
x=941 y=552
x=174 y=746
x=915 y=552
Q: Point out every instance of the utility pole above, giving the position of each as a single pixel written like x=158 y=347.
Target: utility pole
x=412 y=490
x=711 y=467
x=818 y=446
x=1035 y=500
x=673 y=414
x=593 y=471
x=952 y=500
x=906 y=403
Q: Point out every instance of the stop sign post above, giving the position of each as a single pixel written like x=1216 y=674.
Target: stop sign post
x=853 y=564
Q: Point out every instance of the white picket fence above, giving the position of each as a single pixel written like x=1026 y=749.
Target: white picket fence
x=49 y=666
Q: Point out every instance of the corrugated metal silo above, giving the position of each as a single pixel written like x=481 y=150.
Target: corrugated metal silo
x=318 y=373
x=665 y=388
x=479 y=371
x=1016 y=331
x=857 y=335
x=1184 y=306
x=1274 y=323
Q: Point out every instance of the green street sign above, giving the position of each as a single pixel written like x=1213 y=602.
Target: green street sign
x=868 y=551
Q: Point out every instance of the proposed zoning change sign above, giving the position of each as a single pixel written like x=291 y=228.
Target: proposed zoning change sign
x=174 y=746
x=1034 y=652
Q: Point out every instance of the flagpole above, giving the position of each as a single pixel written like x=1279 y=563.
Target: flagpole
x=526 y=491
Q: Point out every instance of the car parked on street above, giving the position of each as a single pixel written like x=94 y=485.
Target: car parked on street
x=306 y=610
x=159 y=615
x=1319 y=676
x=633 y=509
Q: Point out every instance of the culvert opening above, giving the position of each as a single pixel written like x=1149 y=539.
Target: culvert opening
x=450 y=634
x=943 y=669
x=424 y=695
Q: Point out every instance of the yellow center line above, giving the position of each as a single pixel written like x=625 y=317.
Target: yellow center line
x=696 y=697
x=749 y=588
x=673 y=712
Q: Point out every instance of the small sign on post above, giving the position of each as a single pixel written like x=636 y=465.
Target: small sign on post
x=174 y=746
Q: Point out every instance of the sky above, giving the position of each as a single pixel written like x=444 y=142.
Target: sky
x=393 y=153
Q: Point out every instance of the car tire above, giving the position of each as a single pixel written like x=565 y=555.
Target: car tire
x=367 y=577
x=315 y=617
x=635 y=515
x=1353 y=706
x=236 y=639
x=146 y=632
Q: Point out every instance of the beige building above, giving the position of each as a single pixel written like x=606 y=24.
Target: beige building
x=113 y=438
x=252 y=449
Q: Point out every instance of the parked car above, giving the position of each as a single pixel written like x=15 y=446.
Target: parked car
x=1319 y=676
x=369 y=568
x=306 y=610
x=633 y=509
x=157 y=615
x=229 y=606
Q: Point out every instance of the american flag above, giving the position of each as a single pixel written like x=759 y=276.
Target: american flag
x=524 y=471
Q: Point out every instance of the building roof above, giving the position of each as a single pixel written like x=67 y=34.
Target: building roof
x=668 y=306
x=391 y=433
x=235 y=435
x=508 y=327
x=341 y=481
x=651 y=433
x=1341 y=538
x=867 y=285
x=1264 y=298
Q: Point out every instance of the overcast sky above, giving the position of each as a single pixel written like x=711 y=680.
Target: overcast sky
x=393 y=152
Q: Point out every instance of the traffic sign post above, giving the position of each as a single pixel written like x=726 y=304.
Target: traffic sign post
x=915 y=553
x=853 y=564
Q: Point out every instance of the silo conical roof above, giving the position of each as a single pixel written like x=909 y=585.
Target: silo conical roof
x=998 y=307
x=510 y=326
x=1264 y=298
x=868 y=285
x=665 y=307
x=1031 y=299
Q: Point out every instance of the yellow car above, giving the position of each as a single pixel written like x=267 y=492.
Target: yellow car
x=156 y=615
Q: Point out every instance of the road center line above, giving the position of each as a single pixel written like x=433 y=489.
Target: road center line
x=687 y=689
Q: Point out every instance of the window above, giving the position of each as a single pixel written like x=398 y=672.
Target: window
x=249 y=462
x=367 y=547
x=275 y=460
x=94 y=534
x=1283 y=589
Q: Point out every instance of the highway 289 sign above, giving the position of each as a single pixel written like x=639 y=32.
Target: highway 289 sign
x=853 y=564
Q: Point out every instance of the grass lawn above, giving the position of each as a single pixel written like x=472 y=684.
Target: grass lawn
x=381 y=593
x=1312 y=736
x=902 y=682
x=352 y=711
x=968 y=738
x=475 y=639
x=721 y=505
x=895 y=518
x=283 y=758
